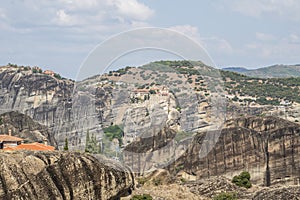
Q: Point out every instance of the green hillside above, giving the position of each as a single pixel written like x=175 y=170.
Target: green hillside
x=269 y=91
x=239 y=87
x=275 y=71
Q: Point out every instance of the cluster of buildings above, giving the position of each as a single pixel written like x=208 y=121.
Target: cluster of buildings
x=12 y=143
x=47 y=72
x=140 y=93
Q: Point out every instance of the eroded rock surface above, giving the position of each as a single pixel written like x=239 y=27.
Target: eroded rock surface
x=25 y=127
x=267 y=147
x=56 y=175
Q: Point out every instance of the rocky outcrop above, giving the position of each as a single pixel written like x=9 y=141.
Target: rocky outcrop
x=211 y=187
x=55 y=175
x=267 y=147
x=25 y=127
x=71 y=109
x=44 y=98
x=284 y=193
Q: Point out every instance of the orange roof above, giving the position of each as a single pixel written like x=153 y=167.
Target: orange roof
x=8 y=148
x=32 y=147
x=48 y=72
x=9 y=138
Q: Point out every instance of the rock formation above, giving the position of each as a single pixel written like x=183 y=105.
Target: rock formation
x=56 y=175
x=71 y=109
x=267 y=147
x=25 y=127
x=42 y=97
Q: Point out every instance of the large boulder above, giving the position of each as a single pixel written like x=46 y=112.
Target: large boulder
x=60 y=175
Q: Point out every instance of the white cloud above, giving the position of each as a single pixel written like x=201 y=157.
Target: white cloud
x=191 y=31
x=80 y=5
x=265 y=36
x=90 y=13
x=132 y=9
x=213 y=44
x=64 y=19
x=218 y=45
x=293 y=39
x=287 y=9
x=2 y=14
x=281 y=48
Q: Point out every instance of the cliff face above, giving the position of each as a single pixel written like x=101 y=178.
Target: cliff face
x=99 y=102
x=25 y=127
x=42 y=97
x=54 y=175
x=266 y=147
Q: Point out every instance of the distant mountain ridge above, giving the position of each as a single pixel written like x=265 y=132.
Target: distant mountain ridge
x=236 y=69
x=274 y=71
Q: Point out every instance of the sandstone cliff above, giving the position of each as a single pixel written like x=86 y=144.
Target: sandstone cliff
x=101 y=101
x=56 y=175
x=267 y=147
x=26 y=128
x=42 y=97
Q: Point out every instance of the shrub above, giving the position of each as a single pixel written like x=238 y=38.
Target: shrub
x=57 y=76
x=142 y=197
x=113 y=131
x=242 y=180
x=142 y=180
x=183 y=180
x=225 y=196
x=156 y=181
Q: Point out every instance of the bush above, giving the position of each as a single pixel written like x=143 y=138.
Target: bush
x=142 y=197
x=57 y=76
x=225 y=196
x=142 y=180
x=112 y=132
x=242 y=180
x=156 y=181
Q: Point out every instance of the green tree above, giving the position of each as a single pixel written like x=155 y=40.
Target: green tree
x=112 y=132
x=242 y=180
x=225 y=196
x=66 y=147
x=91 y=145
x=58 y=76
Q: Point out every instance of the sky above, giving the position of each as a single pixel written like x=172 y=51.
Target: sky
x=60 y=34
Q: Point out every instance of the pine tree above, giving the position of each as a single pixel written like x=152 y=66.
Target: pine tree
x=87 y=141
x=66 y=147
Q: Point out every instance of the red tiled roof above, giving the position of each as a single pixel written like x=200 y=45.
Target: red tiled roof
x=49 y=72
x=9 y=138
x=31 y=147
x=8 y=148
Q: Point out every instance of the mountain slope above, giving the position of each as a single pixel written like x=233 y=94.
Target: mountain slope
x=236 y=69
x=274 y=71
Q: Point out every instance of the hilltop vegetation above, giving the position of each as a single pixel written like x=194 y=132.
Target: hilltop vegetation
x=238 y=86
x=263 y=91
